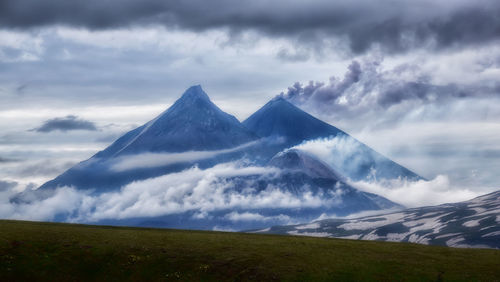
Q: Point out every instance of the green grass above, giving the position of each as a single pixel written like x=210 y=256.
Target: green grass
x=52 y=251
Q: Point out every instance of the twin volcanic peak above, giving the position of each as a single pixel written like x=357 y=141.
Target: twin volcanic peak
x=195 y=135
x=195 y=124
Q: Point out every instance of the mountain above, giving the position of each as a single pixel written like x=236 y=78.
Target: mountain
x=297 y=160
x=192 y=123
x=300 y=169
x=281 y=119
x=284 y=125
x=474 y=223
x=197 y=132
x=201 y=168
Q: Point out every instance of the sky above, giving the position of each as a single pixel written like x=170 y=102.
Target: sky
x=418 y=81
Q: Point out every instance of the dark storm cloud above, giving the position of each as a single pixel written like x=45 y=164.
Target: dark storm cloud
x=65 y=124
x=366 y=90
x=395 y=25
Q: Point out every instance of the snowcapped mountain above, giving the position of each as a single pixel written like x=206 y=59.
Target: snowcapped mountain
x=250 y=175
x=195 y=131
x=474 y=223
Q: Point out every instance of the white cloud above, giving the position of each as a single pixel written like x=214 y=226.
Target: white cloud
x=249 y=216
x=334 y=151
x=148 y=160
x=28 y=46
x=466 y=151
x=418 y=193
x=358 y=215
x=207 y=192
x=338 y=152
x=201 y=191
x=196 y=190
x=345 y=155
x=64 y=201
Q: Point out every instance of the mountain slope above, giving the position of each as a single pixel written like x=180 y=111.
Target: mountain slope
x=284 y=125
x=474 y=223
x=300 y=169
x=279 y=118
x=192 y=123
x=296 y=160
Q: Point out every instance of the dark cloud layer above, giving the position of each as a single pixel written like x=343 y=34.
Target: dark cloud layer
x=65 y=124
x=366 y=90
x=394 y=25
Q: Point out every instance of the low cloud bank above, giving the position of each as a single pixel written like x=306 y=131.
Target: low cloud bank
x=148 y=160
x=249 y=216
x=64 y=201
x=342 y=151
x=193 y=190
x=217 y=192
x=418 y=193
x=353 y=159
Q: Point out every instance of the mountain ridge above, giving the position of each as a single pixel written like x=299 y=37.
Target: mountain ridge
x=195 y=123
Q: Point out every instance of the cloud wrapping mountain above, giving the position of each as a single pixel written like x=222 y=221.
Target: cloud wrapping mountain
x=203 y=192
x=280 y=166
x=195 y=166
x=147 y=160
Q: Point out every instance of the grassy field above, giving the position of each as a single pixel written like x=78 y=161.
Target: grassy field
x=51 y=251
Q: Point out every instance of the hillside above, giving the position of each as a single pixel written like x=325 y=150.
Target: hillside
x=50 y=251
x=474 y=223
